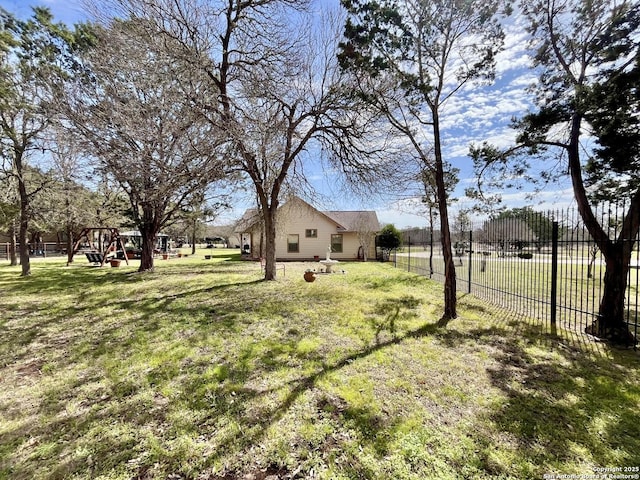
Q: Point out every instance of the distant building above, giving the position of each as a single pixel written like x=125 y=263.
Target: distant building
x=226 y=232
x=419 y=236
x=507 y=233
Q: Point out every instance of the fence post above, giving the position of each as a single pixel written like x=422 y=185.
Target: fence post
x=431 y=251
x=409 y=257
x=470 y=254
x=554 y=273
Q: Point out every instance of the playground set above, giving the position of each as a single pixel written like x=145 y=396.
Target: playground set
x=95 y=255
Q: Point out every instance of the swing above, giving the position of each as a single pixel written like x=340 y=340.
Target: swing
x=96 y=257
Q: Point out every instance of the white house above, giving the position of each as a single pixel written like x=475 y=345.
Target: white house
x=305 y=233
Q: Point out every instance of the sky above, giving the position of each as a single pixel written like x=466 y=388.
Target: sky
x=473 y=116
x=67 y=11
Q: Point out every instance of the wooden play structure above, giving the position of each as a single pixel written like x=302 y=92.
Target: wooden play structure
x=95 y=256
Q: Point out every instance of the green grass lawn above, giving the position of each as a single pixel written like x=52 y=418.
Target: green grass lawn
x=200 y=370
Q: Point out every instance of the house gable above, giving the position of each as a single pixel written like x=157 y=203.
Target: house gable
x=305 y=233
x=305 y=229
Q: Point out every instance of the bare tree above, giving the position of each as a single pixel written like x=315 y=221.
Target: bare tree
x=278 y=91
x=71 y=205
x=284 y=110
x=366 y=230
x=133 y=113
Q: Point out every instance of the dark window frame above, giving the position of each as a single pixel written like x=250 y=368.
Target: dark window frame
x=297 y=243
x=334 y=245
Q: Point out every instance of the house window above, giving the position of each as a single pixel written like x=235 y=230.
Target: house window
x=336 y=243
x=293 y=243
x=311 y=233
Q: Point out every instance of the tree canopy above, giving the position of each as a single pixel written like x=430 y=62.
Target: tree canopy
x=274 y=90
x=134 y=111
x=411 y=58
x=541 y=225
x=35 y=55
x=587 y=55
x=389 y=239
x=611 y=107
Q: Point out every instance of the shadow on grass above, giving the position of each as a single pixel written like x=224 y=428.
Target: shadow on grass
x=113 y=421
x=390 y=312
x=565 y=415
x=547 y=334
x=51 y=277
x=79 y=301
x=219 y=398
x=254 y=428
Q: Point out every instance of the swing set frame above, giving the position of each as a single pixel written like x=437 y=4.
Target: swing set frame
x=115 y=244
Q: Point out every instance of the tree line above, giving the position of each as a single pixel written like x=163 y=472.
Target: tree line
x=170 y=99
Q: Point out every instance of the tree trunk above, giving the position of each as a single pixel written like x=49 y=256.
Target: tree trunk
x=13 y=246
x=610 y=323
x=193 y=237
x=149 y=231
x=25 y=261
x=430 y=241
x=270 y=242
x=58 y=242
x=69 y=245
x=146 y=255
x=101 y=242
x=450 y=300
x=593 y=252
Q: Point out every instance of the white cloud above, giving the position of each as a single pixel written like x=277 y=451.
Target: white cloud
x=411 y=213
x=541 y=200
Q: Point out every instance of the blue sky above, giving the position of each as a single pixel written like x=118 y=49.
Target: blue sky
x=473 y=116
x=67 y=11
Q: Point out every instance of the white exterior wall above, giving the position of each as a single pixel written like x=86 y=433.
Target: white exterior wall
x=295 y=218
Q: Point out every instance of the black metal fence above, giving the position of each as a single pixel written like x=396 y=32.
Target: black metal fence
x=542 y=265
